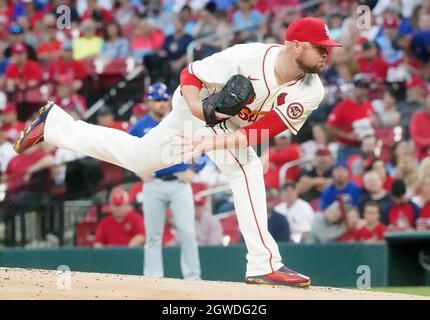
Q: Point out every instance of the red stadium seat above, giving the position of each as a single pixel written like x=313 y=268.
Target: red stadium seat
x=230 y=227
x=386 y=136
x=85 y=233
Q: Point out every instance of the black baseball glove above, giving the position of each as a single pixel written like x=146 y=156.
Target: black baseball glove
x=229 y=101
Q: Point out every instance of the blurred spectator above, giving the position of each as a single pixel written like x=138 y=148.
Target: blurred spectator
x=186 y=14
x=96 y=12
x=67 y=66
x=423 y=200
x=378 y=165
x=106 y=118
x=27 y=182
x=353 y=222
x=49 y=47
x=284 y=150
x=124 y=12
x=208 y=227
x=403 y=213
x=327 y=226
x=9 y=123
x=371 y=63
x=399 y=150
x=28 y=8
x=88 y=44
x=22 y=73
x=387 y=115
x=6 y=152
x=375 y=192
x=357 y=163
x=114 y=45
x=313 y=181
x=387 y=37
x=278 y=224
x=341 y=67
x=123 y=227
x=298 y=212
x=422 y=196
x=175 y=49
x=421 y=38
x=406 y=170
x=341 y=186
x=211 y=22
x=420 y=134
x=415 y=99
x=246 y=16
x=16 y=35
x=208 y=22
x=67 y=98
x=350 y=120
x=373 y=230
x=319 y=141
x=146 y=39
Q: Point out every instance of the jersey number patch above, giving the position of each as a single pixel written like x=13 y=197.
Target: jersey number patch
x=295 y=110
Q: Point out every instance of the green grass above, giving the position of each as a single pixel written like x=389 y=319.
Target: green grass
x=421 y=291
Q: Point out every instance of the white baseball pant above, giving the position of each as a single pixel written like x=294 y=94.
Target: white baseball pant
x=242 y=167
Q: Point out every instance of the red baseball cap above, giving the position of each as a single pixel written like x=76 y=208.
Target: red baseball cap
x=118 y=197
x=311 y=30
x=19 y=47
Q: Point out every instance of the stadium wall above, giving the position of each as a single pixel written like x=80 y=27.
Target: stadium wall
x=335 y=265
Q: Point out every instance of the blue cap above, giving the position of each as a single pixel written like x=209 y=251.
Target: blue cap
x=158 y=91
x=15 y=29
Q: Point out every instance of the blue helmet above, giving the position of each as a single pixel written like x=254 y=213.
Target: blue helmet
x=158 y=91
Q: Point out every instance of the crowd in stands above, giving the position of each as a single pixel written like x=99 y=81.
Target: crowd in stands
x=362 y=160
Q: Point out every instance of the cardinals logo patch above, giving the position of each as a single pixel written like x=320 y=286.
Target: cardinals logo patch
x=295 y=110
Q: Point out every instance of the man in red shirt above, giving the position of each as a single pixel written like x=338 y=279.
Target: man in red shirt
x=9 y=121
x=123 y=227
x=67 y=97
x=373 y=230
x=106 y=118
x=403 y=214
x=66 y=65
x=419 y=130
x=371 y=63
x=22 y=73
x=50 y=47
x=351 y=120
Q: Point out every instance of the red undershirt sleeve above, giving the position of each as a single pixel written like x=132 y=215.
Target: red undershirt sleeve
x=188 y=79
x=264 y=129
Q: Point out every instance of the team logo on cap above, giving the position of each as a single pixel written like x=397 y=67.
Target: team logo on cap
x=295 y=110
x=326 y=30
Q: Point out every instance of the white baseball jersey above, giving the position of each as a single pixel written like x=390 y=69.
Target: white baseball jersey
x=293 y=102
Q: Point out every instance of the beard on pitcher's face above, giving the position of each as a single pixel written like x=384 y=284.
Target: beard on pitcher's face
x=308 y=67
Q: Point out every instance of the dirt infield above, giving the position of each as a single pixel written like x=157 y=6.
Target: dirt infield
x=48 y=284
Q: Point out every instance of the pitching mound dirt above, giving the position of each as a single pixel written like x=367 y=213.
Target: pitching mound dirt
x=48 y=284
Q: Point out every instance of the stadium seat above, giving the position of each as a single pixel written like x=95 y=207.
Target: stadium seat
x=230 y=227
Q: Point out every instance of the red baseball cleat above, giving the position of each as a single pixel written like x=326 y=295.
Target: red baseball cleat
x=33 y=134
x=282 y=277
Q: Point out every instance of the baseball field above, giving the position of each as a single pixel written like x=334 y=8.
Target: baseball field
x=56 y=285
